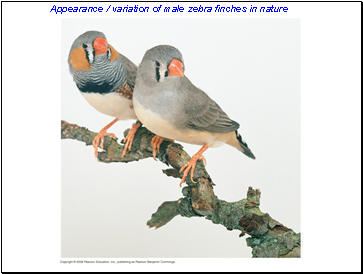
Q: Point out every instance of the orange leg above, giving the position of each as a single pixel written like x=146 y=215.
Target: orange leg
x=130 y=138
x=101 y=135
x=191 y=164
x=156 y=143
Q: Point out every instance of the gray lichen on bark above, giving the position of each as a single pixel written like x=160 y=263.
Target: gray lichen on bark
x=268 y=238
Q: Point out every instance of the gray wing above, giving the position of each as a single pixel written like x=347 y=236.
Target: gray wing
x=204 y=114
x=131 y=69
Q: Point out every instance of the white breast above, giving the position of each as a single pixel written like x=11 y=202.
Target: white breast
x=156 y=124
x=111 y=104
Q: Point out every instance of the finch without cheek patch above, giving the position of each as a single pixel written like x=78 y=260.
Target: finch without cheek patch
x=114 y=53
x=79 y=60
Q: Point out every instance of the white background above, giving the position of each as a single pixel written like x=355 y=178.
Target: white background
x=330 y=140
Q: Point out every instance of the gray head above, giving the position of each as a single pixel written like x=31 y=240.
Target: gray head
x=88 y=47
x=161 y=63
x=95 y=64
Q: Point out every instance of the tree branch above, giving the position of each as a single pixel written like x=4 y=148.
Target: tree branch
x=269 y=238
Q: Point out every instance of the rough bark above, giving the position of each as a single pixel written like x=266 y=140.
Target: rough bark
x=268 y=237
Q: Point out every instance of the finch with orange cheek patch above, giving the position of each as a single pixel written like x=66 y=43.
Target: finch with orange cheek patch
x=106 y=79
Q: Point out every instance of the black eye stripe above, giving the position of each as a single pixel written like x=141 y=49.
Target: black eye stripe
x=90 y=58
x=109 y=53
x=88 y=53
x=157 y=74
x=87 y=56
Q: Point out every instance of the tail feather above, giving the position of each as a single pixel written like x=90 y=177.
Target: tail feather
x=244 y=147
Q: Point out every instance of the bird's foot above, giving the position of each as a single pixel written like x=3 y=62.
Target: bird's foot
x=130 y=138
x=101 y=136
x=98 y=140
x=156 y=143
x=186 y=168
x=190 y=166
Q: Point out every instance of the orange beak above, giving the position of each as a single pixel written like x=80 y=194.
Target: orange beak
x=100 y=46
x=175 y=68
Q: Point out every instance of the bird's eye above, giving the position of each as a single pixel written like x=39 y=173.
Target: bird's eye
x=84 y=46
x=157 y=64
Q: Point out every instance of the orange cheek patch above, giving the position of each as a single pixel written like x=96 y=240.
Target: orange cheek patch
x=114 y=53
x=79 y=60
